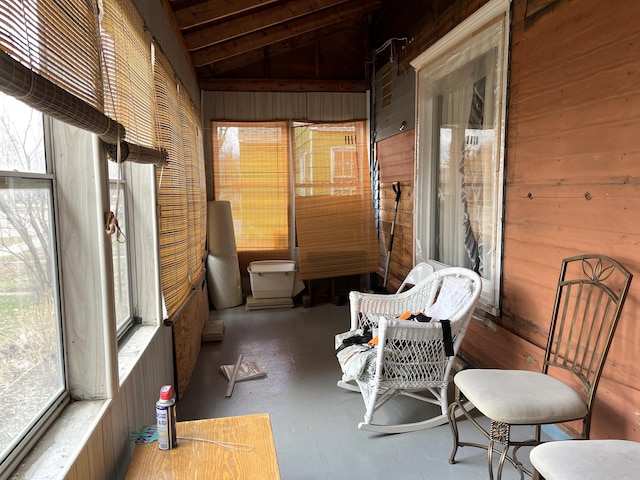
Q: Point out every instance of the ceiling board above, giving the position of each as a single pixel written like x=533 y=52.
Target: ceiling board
x=277 y=45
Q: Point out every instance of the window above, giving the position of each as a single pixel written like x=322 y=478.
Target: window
x=32 y=375
x=331 y=197
x=120 y=242
x=335 y=228
x=461 y=117
x=251 y=171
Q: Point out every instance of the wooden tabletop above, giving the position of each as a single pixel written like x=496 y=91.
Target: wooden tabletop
x=249 y=452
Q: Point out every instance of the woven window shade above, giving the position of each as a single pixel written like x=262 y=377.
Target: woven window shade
x=251 y=171
x=128 y=82
x=172 y=192
x=57 y=40
x=195 y=181
x=51 y=61
x=334 y=211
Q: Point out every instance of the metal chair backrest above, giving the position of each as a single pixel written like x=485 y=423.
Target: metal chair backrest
x=589 y=299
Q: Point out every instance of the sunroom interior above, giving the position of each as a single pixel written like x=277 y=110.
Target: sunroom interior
x=494 y=135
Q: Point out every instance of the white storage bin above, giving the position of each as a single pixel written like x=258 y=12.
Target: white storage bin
x=272 y=278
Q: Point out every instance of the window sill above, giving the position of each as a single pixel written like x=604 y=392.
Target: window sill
x=132 y=347
x=56 y=452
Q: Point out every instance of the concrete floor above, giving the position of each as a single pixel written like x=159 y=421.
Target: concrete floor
x=314 y=422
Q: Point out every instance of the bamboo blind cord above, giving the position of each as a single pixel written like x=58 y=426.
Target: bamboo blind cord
x=112 y=224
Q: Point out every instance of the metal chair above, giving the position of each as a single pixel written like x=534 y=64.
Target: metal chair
x=589 y=298
x=586 y=460
x=411 y=358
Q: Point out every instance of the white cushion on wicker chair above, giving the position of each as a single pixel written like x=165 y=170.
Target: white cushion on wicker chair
x=587 y=459
x=513 y=396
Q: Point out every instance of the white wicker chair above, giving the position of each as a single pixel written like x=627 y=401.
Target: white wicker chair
x=416 y=275
x=410 y=358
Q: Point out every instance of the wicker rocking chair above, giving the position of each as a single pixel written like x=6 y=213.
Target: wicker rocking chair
x=412 y=358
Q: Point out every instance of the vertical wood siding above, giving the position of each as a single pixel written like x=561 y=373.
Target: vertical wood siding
x=107 y=451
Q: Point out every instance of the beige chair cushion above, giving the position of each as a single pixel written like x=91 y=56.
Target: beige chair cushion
x=587 y=460
x=520 y=397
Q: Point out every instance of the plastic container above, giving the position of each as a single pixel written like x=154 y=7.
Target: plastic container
x=272 y=278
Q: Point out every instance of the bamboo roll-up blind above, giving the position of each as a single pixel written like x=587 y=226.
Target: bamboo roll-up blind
x=334 y=209
x=137 y=153
x=172 y=191
x=57 y=40
x=128 y=81
x=51 y=61
x=336 y=236
x=50 y=58
x=195 y=182
x=251 y=171
x=43 y=95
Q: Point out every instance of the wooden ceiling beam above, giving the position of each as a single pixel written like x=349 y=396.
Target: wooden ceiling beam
x=254 y=21
x=276 y=49
x=283 y=85
x=214 y=10
x=178 y=34
x=280 y=32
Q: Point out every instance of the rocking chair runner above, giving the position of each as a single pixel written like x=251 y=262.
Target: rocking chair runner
x=589 y=298
x=410 y=358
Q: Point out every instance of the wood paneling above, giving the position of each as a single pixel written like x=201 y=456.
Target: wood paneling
x=396 y=159
x=572 y=166
x=265 y=106
x=572 y=169
x=187 y=335
x=396 y=156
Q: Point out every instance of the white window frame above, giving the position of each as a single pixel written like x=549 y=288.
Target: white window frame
x=58 y=401
x=96 y=366
x=126 y=237
x=493 y=12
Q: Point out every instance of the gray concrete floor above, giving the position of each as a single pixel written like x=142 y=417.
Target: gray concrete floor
x=315 y=422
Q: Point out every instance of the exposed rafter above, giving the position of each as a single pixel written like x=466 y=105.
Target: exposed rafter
x=212 y=11
x=240 y=25
x=279 y=44
x=245 y=43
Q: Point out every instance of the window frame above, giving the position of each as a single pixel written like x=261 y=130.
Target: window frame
x=54 y=406
x=122 y=327
x=492 y=13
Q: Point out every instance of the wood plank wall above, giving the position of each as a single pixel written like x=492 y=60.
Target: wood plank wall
x=396 y=156
x=572 y=170
x=187 y=336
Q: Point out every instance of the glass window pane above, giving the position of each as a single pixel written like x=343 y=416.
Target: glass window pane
x=251 y=165
x=458 y=192
x=120 y=258
x=31 y=373
x=21 y=137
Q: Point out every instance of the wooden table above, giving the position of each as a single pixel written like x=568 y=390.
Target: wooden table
x=196 y=457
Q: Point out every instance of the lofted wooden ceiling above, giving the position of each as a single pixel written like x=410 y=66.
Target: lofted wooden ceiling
x=277 y=45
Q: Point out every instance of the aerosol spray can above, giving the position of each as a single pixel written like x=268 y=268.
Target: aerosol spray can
x=166 y=418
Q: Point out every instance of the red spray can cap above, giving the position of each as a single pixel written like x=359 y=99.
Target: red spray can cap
x=166 y=392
